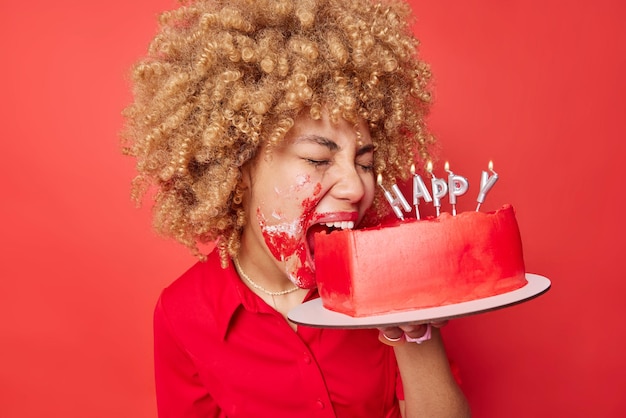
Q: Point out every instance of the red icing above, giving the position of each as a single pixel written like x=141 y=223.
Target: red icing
x=418 y=264
x=287 y=239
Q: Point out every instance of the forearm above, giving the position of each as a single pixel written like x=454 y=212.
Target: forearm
x=429 y=387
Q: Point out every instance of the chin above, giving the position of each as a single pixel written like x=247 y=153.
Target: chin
x=302 y=274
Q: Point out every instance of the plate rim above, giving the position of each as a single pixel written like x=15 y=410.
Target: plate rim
x=313 y=314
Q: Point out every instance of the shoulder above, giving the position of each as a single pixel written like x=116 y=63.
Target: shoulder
x=195 y=285
x=201 y=298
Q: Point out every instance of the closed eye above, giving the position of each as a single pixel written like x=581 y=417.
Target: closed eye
x=317 y=163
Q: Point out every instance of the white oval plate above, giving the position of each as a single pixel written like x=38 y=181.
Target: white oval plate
x=313 y=314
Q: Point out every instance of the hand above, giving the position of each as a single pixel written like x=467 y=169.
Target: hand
x=399 y=335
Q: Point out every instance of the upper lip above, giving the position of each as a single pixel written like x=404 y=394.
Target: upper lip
x=346 y=216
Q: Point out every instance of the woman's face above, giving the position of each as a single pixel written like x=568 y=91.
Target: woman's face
x=321 y=177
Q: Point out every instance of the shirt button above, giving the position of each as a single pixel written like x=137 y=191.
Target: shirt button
x=319 y=404
x=306 y=359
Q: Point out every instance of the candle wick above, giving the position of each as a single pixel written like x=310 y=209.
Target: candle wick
x=382 y=187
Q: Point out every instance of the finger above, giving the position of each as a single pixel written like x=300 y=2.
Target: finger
x=411 y=327
x=391 y=336
x=391 y=341
x=392 y=332
x=426 y=335
x=415 y=330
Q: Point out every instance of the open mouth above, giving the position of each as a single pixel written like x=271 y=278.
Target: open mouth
x=327 y=227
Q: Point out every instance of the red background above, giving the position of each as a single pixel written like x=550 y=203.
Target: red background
x=537 y=86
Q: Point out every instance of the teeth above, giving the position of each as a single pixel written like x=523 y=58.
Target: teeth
x=340 y=225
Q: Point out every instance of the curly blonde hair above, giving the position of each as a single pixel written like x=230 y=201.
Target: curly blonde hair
x=223 y=77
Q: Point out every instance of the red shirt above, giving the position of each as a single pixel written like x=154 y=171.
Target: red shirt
x=221 y=351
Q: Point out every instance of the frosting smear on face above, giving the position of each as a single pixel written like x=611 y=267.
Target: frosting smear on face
x=286 y=242
x=320 y=178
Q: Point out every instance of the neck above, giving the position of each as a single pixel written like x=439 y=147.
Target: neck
x=255 y=285
x=281 y=300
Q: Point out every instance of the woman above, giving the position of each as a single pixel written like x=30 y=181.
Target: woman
x=259 y=123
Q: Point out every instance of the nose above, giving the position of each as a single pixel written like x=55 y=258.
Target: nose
x=348 y=184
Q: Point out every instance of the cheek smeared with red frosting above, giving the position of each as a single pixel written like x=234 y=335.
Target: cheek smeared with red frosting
x=287 y=239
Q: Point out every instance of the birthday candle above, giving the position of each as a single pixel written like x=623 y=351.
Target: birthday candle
x=440 y=188
x=396 y=201
x=457 y=186
x=486 y=183
x=419 y=191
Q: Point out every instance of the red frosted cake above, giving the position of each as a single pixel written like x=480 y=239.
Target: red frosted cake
x=417 y=264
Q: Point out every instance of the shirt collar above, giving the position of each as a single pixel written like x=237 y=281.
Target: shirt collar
x=229 y=300
x=236 y=295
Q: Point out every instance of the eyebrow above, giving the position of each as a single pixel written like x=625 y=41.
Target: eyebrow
x=332 y=145
x=365 y=149
x=320 y=140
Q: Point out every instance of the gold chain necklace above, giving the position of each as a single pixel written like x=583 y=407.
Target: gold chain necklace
x=259 y=287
